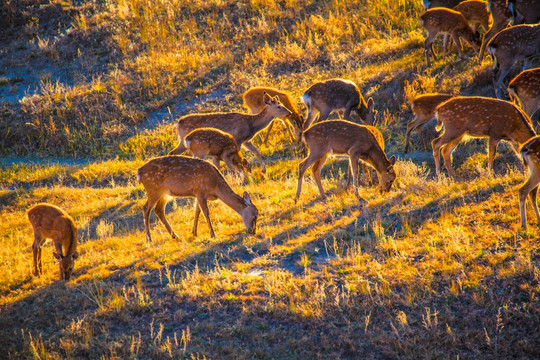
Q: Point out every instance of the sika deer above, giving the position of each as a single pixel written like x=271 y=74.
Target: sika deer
x=183 y=176
x=521 y=42
x=423 y=107
x=478 y=117
x=501 y=17
x=219 y=145
x=344 y=137
x=528 y=9
x=51 y=222
x=447 y=21
x=475 y=12
x=336 y=94
x=241 y=126
x=254 y=101
x=530 y=152
x=524 y=89
x=428 y=4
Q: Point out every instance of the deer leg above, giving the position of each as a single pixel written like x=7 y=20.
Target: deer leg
x=179 y=150
x=492 y=149
x=347 y=112
x=445 y=44
x=428 y=47
x=317 y=174
x=524 y=191
x=455 y=37
x=304 y=165
x=500 y=74
x=36 y=250
x=411 y=126
x=251 y=148
x=196 y=219
x=534 y=202
x=215 y=161
x=310 y=118
x=487 y=36
x=268 y=132
x=368 y=173
x=148 y=206
x=323 y=115
x=288 y=127
x=204 y=208
x=160 y=212
x=353 y=161
x=447 y=155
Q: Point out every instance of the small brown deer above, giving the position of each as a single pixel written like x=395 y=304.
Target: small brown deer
x=344 y=137
x=254 y=101
x=442 y=20
x=334 y=95
x=478 y=117
x=220 y=145
x=530 y=152
x=428 y=4
x=180 y=176
x=475 y=12
x=241 y=126
x=520 y=42
x=524 y=90
x=529 y=10
x=423 y=107
x=51 y=222
x=501 y=16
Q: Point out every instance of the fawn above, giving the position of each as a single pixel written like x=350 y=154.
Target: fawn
x=444 y=20
x=478 y=117
x=475 y=12
x=524 y=90
x=423 y=107
x=254 y=101
x=241 y=126
x=50 y=222
x=529 y=10
x=220 y=145
x=336 y=94
x=520 y=42
x=501 y=17
x=179 y=176
x=344 y=137
x=530 y=152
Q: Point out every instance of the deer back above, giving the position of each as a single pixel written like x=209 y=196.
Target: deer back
x=334 y=93
x=528 y=9
x=444 y=20
x=210 y=142
x=516 y=42
x=423 y=106
x=474 y=11
x=526 y=84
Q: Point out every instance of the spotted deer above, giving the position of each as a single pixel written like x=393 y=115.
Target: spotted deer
x=446 y=21
x=334 y=95
x=475 y=12
x=180 y=176
x=51 y=222
x=524 y=90
x=520 y=42
x=428 y=4
x=218 y=144
x=423 y=107
x=530 y=152
x=478 y=117
x=501 y=16
x=344 y=137
x=241 y=126
x=529 y=10
x=254 y=101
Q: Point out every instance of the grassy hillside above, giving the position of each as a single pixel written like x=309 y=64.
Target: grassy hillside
x=432 y=269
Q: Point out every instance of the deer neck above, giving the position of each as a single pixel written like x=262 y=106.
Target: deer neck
x=229 y=197
x=260 y=121
x=379 y=160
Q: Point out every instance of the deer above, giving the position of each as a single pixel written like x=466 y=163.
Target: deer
x=501 y=17
x=254 y=101
x=520 y=42
x=428 y=4
x=51 y=222
x=218 y=144
x=475 y=12
x=477 y=116
x=241 y=126
x=444 y=20
x=530 y=153
x=529 y=10
x=524 y=90
x=334 y=95
x=344 y=137
x=181 y=176
x=423 y=107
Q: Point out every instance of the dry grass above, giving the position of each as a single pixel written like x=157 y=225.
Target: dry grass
x=432 y=269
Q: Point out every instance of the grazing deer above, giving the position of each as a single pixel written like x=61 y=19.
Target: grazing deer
x=336 y=94
x=478 y=117
x=475 y=12
x=219 y=145
x=423 y=107
x=530 y=152
x=520 y=42
x=344 y=137
x=241 y=126
x=254 y=101
x=428 y=4
x=524 y=90
x=51 y=222
x=501 y=16
x=446 y=21
x=179 y=176
x=528 y=9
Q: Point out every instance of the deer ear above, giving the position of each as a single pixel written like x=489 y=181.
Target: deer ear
x=74 y=256
x=370 y=104
x=392 y=159
x=57 y=256
x=267 y=98
x=276 y=98
x=247 y=199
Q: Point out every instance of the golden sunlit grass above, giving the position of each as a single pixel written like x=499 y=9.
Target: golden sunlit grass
x=432 y=269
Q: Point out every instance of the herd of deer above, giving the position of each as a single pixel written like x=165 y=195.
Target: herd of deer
x=221 y=135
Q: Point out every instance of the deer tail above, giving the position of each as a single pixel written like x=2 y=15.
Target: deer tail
x=440 y=124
